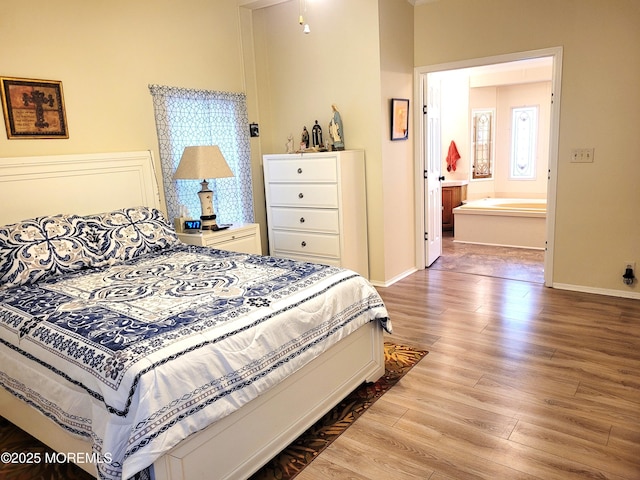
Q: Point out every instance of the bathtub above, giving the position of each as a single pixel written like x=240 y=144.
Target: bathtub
x=509 y=222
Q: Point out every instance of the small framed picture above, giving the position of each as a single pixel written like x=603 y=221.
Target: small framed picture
x=33 y=108
x=399 y=119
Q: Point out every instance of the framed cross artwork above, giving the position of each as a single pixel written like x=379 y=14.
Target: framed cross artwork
x=33 y=108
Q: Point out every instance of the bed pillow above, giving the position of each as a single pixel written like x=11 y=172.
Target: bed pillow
x=127 y=233
x=45 y=247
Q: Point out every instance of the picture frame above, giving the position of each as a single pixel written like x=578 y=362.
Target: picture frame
x=399 y=119
x=33 y=108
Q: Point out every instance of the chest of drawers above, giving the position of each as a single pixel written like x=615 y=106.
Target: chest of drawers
x=316 y=208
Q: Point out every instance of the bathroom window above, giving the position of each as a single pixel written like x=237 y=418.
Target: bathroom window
x=524 y=135
x=482 y=143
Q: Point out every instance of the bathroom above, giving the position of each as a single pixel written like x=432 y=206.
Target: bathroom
x=497 y=119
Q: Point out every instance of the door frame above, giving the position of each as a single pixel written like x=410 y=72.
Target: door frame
x=420 y=85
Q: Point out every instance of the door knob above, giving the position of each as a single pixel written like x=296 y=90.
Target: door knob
x=441 y=178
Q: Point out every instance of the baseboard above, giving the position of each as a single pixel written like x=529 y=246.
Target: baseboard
x=598 y=291
x=498 y=245
x=393 y=280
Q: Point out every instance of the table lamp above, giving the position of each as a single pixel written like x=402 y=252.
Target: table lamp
x=203 y=162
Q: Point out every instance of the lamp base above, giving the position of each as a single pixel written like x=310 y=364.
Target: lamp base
x=206 y=204
x=209 y=222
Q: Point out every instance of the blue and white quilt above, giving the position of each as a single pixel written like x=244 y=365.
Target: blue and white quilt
x=138 y=355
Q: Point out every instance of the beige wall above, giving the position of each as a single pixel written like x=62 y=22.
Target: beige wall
x=498 y=87
x=107 y=53
x=455 y=105
x=502 y=99
x=598 y=217
x=300 y=76
x=509 y=96
x=398 y=172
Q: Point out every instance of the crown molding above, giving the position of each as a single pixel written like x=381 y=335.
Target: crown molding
x=255 y=4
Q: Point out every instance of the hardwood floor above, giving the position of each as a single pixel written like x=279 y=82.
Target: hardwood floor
x=521 y=382
x=489 y=260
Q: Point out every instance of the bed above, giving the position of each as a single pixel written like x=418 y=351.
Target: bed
x=199 y=362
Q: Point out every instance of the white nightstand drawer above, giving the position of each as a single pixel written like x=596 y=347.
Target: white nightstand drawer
x=230 y=234
x=243 y=244
x=301 y=195
x=307 y=243
x=237 y=238
x=303 y=170
x=306 y=219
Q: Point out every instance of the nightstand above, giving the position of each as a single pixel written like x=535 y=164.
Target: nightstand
x=243 y=238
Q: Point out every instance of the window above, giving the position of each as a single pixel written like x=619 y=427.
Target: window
x=524 y=135
x=482 y=143
x=187 y=117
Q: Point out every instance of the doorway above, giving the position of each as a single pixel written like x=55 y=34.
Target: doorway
x=428 y=192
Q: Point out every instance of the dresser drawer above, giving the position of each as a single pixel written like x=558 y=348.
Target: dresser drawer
x=307 y=243
x=303 y=195
x=306 y=219
x=303 y=170
x=334 y=262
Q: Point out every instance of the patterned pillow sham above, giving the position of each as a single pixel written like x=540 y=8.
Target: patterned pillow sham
x=45 y=247
x=127 y=233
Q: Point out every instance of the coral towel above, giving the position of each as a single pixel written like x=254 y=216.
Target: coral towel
x=452 y=157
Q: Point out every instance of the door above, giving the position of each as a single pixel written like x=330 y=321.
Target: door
x=432 y=168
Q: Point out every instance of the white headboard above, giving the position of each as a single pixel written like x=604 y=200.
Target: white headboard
x=80 y=183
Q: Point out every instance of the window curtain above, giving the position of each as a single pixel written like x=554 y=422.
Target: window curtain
x=186 y=117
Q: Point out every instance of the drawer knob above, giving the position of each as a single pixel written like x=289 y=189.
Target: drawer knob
x=301 y=219
x=300 y=195
x=299 y=170
x=304 y=244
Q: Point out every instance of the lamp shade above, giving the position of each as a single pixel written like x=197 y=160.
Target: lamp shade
x=202 y=162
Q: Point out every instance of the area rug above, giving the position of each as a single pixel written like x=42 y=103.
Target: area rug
x=399 y=360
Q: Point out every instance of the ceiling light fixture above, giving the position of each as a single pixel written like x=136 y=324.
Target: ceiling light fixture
x=302 y=7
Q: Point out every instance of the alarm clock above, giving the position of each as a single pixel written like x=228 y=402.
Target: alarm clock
x=192 y=226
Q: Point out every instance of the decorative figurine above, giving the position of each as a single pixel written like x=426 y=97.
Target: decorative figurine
x=290 y=143
x=305 y=138
x=335 y=129
x=316 y=135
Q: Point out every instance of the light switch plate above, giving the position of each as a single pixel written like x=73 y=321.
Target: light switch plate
x=582 y=155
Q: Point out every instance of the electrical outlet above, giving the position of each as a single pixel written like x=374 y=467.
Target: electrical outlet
x=582 y=155
x=629 y=276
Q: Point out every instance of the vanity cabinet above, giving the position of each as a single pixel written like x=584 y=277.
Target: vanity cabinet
x=316 y=208
x=452 y=197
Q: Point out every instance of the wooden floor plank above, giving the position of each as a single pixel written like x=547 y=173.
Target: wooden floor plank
x=521 y=382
